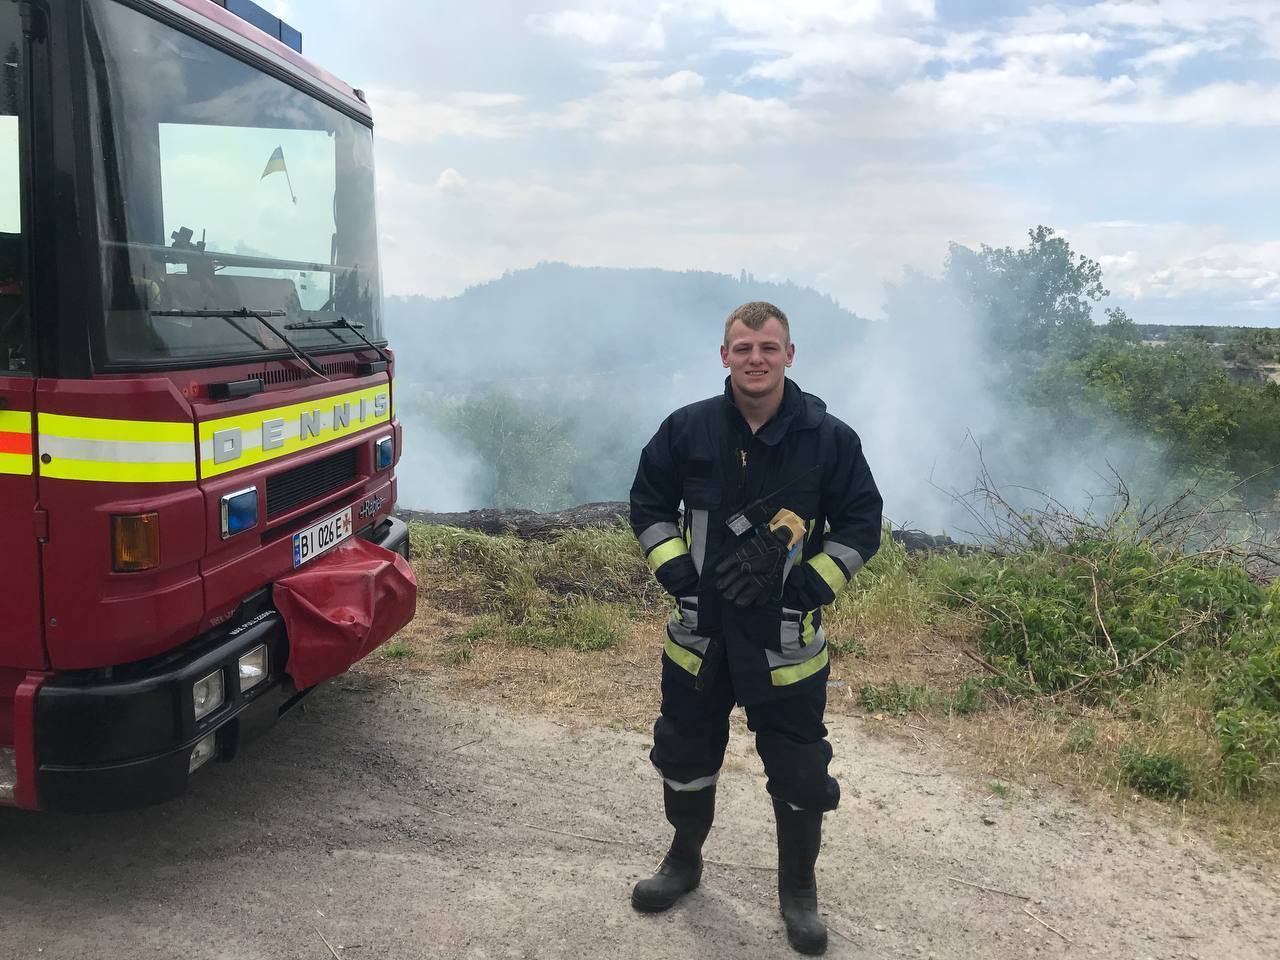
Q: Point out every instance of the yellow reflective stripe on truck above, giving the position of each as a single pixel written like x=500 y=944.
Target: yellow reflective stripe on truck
x=115 y=451
x=230 y=443
x=15 y=442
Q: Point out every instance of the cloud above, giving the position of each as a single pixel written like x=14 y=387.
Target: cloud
x=675 y=109
x=823 y=62
x=681 y=83
x=1172 y=55
x=405 y=116
x=450 y=179
x=602 y=28
x=1152 y=266
x=769 y=18
x=1058 y=50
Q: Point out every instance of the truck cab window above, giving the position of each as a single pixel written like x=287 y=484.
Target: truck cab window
x=15 y=322
x=223 y=188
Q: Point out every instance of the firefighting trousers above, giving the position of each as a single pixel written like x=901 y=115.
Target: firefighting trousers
x=690 y=737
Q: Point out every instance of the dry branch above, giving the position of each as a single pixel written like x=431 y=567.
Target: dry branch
x=1005 y=893
x=327 y=943
x=579 y=836
x=1046 y=925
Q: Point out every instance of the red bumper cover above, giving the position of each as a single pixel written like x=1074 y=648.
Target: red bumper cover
x=340 y=607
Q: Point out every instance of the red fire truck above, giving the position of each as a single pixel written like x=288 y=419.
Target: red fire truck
x=195 y=393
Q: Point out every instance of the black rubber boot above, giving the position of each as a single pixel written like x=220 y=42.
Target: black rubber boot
x=799 y=840
x=691 y=813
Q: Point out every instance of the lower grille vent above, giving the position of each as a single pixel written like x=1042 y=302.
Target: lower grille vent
x=309 y=482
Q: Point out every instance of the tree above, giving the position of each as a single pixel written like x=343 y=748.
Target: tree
x=1120 y=326
x=524 y=449
x=1029 y=299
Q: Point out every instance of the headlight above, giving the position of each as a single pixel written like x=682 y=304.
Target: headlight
x=253 y=668
x=384 y=449
x=207 y=694
x=239 y=511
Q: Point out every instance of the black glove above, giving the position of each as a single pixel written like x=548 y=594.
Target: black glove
x=752 y=575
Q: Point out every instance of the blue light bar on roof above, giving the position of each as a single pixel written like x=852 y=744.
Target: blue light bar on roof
x=268 y=23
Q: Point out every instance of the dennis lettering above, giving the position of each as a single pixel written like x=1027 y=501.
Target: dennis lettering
x=319 y=425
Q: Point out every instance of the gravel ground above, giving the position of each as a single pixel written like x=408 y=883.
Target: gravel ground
x=393 y=821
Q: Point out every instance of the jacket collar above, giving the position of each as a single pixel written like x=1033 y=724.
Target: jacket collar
x=798 y=411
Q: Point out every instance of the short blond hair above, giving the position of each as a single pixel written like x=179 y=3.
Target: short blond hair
x=754 y=315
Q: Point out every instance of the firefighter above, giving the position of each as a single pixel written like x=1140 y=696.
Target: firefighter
x=780 y=511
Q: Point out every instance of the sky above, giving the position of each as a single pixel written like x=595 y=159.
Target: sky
x=833 y=143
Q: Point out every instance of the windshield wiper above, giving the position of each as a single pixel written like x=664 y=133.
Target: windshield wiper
x=342 y=323
x=246 y=314
x=225 y=315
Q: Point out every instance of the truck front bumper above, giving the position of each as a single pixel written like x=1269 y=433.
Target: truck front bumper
x=126 y=738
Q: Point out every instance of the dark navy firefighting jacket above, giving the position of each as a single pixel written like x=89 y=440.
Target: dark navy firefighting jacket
x=804 y=459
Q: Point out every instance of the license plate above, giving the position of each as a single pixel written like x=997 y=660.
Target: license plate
x=319 y=537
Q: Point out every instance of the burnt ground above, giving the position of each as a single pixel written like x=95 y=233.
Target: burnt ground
x=394 y=819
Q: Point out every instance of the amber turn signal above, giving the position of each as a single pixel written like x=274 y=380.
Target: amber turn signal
x=135 y=542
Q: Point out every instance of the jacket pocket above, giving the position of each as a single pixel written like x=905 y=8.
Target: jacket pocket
x=700 y=494
x=789 y=632
x=796 y=633
x=687 y=613
x=701 y=500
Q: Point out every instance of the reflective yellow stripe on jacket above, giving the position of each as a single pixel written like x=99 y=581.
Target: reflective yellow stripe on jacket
x=115 y=451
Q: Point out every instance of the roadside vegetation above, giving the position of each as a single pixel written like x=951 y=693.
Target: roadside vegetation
x=1101 y=659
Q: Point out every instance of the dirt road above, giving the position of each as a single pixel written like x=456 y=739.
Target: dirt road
x=395 y=822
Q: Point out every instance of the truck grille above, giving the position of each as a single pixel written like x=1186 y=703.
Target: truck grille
x=310 y=481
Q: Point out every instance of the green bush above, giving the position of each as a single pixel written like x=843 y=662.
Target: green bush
x=969 y=698
x=1060 y=615
x=1156 y=774
x=1250 y=740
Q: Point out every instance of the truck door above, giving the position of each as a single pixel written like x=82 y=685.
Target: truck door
x=21 y=636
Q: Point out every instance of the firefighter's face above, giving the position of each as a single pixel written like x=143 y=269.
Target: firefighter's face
x=757 y=360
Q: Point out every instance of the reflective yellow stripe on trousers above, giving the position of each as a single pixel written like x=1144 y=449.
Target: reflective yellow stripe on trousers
x=115 y=451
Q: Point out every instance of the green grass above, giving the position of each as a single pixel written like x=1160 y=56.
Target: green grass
x=894 y=697
x=518 y=577
x=583 y=625
x=889 y=589
x=396 y=650
x=1082 y=738
x=460 y=648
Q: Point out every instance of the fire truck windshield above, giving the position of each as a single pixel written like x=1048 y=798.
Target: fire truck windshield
x=220 y=186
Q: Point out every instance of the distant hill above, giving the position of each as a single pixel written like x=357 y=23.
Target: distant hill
x=554 y=320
